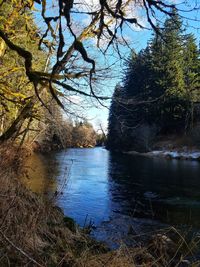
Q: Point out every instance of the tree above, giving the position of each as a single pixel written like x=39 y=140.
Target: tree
x=73 y=63
x=191 y=75
x=156 y=96
x=83 y=135
x=114 y=123
x=175 y=102
x=15 y=88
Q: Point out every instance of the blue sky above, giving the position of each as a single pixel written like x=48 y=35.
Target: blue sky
x=191 y=22
x=138 y=40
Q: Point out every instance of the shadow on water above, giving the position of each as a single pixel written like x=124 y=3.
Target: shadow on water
x=147 y=194
x=121 y=194
x=167 y=190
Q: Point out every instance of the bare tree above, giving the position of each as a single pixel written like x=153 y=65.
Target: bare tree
x=80 y=31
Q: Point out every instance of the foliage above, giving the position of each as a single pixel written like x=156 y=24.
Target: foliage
x=59 y=133
x=64 y=37
x=83 y=135
x=45 y=126
x=100 y=139
x=15 y=87
x=159 y=90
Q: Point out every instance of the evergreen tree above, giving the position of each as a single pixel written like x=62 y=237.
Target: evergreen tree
x=159 y=89
x=191 y=75
x=174 y=104
x=115 y=120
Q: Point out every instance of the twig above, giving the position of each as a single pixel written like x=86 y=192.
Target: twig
x=20 y=250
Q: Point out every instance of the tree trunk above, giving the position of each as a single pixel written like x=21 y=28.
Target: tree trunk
x=9 y=133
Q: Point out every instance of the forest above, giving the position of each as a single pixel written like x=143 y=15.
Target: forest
x=159 y=95
x=69 y=195
x=25 y=116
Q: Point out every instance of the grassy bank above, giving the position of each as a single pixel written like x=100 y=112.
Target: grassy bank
x=34 y=232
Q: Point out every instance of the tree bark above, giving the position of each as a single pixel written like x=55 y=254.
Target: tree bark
x=9 y=133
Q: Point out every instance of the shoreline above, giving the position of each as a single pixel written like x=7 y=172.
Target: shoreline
x=169 y=154
x=34 y=232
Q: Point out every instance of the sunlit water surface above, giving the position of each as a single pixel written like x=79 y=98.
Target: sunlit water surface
x=121 y=195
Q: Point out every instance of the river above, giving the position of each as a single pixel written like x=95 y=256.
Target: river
x=122 y=196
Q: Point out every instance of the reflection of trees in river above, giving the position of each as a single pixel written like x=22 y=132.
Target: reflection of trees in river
x=42 y=171
x=168 y=190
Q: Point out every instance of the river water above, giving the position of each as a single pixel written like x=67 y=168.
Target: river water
x=123 y=196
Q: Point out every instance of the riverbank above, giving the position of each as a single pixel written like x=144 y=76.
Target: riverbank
x=34 y=232
x=172 y=147
x=170 y=154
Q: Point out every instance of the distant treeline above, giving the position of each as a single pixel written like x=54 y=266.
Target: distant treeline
x=63 y=133
x=160 y=92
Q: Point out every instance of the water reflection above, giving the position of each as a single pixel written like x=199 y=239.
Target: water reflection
x=151 y=187
x=117 y=191
x=86 y=193
x=41 y=174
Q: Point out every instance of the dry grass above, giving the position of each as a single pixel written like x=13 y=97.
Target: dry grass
x=33 y=231
x=160 y=252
